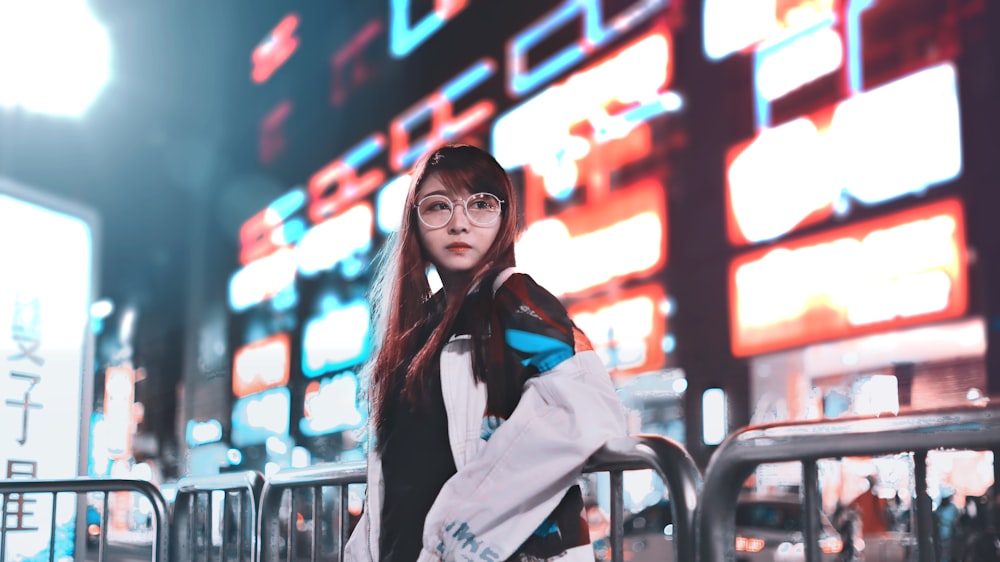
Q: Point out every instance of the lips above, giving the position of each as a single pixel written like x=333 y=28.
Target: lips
x=458 y=247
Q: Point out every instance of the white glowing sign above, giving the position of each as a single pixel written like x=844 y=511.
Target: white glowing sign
x=332 y=405
x=203 y=432
x=337 y=338
x=336 y=239
x=259 y=416
x=538 y=130
x=389 y=203
x=587 y=247
x=263 y=279
x=879 y=145
x=732 y=26
x=45 y=344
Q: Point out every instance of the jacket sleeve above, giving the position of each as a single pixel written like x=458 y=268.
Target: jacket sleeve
x=362 y=546
x=356 y=549
x=568 y=410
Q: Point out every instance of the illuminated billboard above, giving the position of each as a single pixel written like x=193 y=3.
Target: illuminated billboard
x=46 y=380
x=898 y=139
x=854 y=105
x=900 y=270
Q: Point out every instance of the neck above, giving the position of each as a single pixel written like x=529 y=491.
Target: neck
x=453 y=282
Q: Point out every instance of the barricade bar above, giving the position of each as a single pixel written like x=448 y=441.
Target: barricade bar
x=83 y=485
x=191 y=532
x=315 y=477
x=738 y=456
x=676 y=469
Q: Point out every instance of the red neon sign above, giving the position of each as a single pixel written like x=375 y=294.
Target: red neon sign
x=905 y=269
x=275 y=49
x=272 y=140
x=622 y=237
x=348 y=69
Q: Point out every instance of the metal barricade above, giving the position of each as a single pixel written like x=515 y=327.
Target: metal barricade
x=85 y=485
x=670 y=460
x=282 y=485
x=917 y=432
x=215 y=517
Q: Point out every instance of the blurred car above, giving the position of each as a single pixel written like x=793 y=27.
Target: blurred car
x=768 y=528
x=771 y=528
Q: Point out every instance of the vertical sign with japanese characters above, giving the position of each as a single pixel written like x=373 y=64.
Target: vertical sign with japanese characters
x=46 y=287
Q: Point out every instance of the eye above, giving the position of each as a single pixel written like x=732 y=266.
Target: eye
x=484 y=202
x=435 y=205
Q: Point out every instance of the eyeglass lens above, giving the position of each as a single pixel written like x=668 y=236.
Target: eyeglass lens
x=482 y=209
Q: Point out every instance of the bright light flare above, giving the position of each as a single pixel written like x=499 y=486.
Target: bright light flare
x=54 y=56
x=749 y=544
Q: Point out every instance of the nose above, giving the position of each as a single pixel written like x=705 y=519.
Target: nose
x=459 y=219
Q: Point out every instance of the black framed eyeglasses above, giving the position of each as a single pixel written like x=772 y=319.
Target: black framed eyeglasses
x=482 y=209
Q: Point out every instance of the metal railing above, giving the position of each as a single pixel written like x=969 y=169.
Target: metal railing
x=195 y=522
x=282 y=486
x=669 y=459
x=85 y=485
x=916 y=432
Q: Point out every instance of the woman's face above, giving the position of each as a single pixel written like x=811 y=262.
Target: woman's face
x=457 y=247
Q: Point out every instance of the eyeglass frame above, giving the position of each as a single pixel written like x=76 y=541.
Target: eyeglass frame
x=465 y=207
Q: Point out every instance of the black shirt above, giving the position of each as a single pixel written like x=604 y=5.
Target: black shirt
x=416 y=462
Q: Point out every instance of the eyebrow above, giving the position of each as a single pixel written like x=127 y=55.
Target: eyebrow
x=435 y=192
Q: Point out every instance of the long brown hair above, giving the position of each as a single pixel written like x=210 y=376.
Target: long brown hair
x=404 y=314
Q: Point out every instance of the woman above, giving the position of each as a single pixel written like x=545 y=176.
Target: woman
x=486 y=400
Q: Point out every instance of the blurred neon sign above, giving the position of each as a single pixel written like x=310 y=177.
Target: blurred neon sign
x=336 y=239
x=595 y=32
x=612 y=97
x=272 y=141
x=203 y=432
x=784 y=63
x=348 y=62
x=336 y=338
x=275 y=49
x=580 y=131
x=261 y=365
x=899 y=270
x=623 y=237
x=265 y=278
x=438 y=109
x=259 y=416
x=898 y=139
x=404 y=38
x=342 y=182
x=389 y=203
x=273 y=228
x=332 y=405
x=119 y=399
x=732 y=26
x=626 y=328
